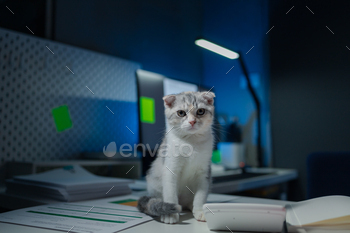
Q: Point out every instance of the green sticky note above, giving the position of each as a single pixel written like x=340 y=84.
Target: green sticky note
x=147 y=110
x=62 y=118
x=216 y=158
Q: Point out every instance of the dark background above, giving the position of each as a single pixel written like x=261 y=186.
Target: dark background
x=302 y=68
x=310 y=85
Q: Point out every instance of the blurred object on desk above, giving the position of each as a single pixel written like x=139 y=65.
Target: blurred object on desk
x=70 y=183
x=113 y=168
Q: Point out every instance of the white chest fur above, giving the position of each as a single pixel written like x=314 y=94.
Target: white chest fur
x=193 y=166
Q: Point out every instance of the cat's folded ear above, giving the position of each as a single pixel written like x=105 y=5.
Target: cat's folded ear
x=169 y=100
x=209 y=97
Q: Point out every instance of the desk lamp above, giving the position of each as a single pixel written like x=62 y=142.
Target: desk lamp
x=236 y=55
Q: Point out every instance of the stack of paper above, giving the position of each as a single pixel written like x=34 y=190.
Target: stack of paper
x=71 y=183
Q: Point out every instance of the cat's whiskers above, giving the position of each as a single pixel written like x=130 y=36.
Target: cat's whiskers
x=186 y=127
x=218 y=130
x=169 y=130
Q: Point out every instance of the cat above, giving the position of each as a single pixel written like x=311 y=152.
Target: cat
x=180 y=176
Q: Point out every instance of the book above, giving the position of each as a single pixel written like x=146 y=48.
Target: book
x=330 y=213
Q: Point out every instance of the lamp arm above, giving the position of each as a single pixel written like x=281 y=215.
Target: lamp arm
x=257 y=103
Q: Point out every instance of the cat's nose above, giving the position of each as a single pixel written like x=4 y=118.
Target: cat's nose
x=192 y=122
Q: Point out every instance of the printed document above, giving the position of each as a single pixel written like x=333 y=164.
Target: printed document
x=81 y=217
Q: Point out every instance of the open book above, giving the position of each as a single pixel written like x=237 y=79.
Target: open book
x=323 y=214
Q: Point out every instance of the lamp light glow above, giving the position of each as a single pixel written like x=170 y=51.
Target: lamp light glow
x=216 y=49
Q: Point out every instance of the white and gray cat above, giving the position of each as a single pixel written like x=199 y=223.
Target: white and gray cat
x=180 y=177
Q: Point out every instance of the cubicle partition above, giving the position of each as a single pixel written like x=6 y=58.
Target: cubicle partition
x=57 y=101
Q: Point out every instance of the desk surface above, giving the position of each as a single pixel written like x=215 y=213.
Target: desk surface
x=273 y=176
x=187 y=222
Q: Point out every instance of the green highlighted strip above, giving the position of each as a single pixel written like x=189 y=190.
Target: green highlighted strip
x=71 y=216
x=93 y=212
x=123 y=201
x=103 y=208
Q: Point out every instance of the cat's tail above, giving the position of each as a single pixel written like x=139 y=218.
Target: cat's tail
x=156 y=207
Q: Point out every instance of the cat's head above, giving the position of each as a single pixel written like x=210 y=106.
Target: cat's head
x=190 y=112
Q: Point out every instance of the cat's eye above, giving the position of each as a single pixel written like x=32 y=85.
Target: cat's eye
x=201 y=111
x=181 y=113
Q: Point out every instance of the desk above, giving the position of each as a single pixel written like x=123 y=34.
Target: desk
x=187 y=222
x=273 y=176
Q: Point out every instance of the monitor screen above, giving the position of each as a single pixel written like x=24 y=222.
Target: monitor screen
x=172 y=86
x=152 y=125
x=151 y=89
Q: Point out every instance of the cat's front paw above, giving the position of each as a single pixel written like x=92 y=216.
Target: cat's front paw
x=170 y=218
x=199 y=215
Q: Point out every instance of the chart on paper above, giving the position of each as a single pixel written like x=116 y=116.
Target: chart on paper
x=81 y=218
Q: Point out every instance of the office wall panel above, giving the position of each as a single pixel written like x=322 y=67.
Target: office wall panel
x=38 y=75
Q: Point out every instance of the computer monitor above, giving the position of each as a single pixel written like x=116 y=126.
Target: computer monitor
x=152 y=125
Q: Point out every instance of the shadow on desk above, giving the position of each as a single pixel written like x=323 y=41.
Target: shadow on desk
x=184 y=216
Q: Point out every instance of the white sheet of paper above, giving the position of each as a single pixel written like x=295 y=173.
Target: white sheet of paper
x=301 y=215
x=72 y=178
x=80 y=217
x=218 y=198
x=317 y=209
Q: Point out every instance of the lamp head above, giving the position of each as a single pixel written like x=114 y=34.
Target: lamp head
x=216 y=48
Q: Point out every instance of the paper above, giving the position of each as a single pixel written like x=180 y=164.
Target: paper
x=72 y=178
x=70 y=183
x=331 y=212
x=37 y=190
x=138 y=185
x=100 y=216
